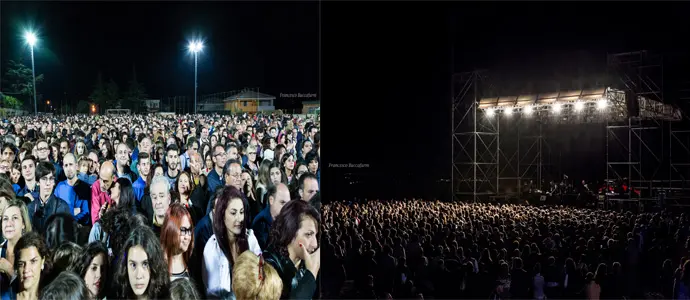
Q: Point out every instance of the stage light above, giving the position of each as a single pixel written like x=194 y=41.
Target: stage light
x=490 y=112
x=508 y=110
x=556 y=107
x=579 y=105
x=528 y=110
x=601 y=104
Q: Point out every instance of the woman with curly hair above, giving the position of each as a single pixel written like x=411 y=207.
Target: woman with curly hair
x=230 y=239
x=141 y=272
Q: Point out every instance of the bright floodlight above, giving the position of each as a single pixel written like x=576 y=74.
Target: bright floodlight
x=508 y=111
x=490 y=112
x=195 y=46
x=601 y=104
x=30 y=38
x=579 y=105
x=528 y=110
x=556 y=107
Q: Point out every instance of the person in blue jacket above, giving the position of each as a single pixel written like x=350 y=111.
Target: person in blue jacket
x=75 y=192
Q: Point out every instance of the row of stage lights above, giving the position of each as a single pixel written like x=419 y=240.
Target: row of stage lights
x=555 y=107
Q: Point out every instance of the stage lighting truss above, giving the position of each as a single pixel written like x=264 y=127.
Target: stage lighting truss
x=556 y=108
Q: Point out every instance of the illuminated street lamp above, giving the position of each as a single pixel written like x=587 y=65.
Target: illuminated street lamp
x=195 y=47
x=31 y=40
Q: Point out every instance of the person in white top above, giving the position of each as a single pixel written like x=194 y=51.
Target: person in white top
x=230 y=239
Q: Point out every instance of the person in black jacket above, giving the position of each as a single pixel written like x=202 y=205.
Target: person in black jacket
x=293 y=249
x=47 y=203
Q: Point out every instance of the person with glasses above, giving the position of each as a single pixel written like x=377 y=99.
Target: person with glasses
x=219 y=158
x=47 y=204
x=177 y=239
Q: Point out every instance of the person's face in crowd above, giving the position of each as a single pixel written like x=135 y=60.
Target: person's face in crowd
x=234 y=216
x=30 y=264
x=94 y=163
x=260 y=135
x=137 y=131
x=301 y=170
x=183 y=186
x=282 y=140
x=122 y=155
x=234 y=176
x=312 y=133
x=251 y=155
x=209 y=162
x=29 y=170
x=306 y=235
x=56 y=152
x=282 y=197
x=106 y=180
x=214 y=140
x=195 y=165
x=246 y=179
x=94 y=273
x=172 y=159
x=145 y=145
x=272 y=144
x=205 y=149
x=124 y=138
x=64 y=148
x=160 y=198
x=158 y=171
x=69 y=166
x=116 y=143
x=254 y=142
x=12 y=223
x=273 y=133
x=43 y=151
x=5 y=166
x=185 y=234
x=144 y=167
x=232 y=153
x=313 y=166
x=8 y=154
x=81 y=148
x=275 y=175
x=15 y=175
x=47 y=183
x=204 y=133
x=138 y=270
x=115 y=193
x=194 y=149
x=311 y=187
x=307 y=147
x=219 y=157
x=161 y=152
x=171 y=141
x=290 y=163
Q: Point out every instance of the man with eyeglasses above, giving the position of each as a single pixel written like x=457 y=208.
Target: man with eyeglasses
x=43 y=153
x=232 y=176
x=47 y=204
x=28 y=170
x=219 y=158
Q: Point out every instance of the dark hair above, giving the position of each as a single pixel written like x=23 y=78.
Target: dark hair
x=287 y=223
x=183 y=289
x=312 y=155
x=109 y=148
x=117 y=223
x=143 y=156
x=159 y=279
x=172 y=147
x=44 y=168
x=127 y=198
x=61 y=227
x=66 y=257
x=66 y=286
x=229 y=163
x=219 y=229
x=92 y=250
x=304 y=178
x=33 y=239
x=153 y=171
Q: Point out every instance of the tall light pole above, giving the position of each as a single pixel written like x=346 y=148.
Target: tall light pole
x=195 y=47
x=31 y=39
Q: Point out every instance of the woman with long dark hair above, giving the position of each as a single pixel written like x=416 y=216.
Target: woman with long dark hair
x=287 y=164
x=230 y=238
x=106 y=151
x=93 y=268
x=293 y=249
x=141 y=272
x=177 y=239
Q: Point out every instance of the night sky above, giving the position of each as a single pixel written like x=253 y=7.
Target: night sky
x=385 y=68
x=273 y=46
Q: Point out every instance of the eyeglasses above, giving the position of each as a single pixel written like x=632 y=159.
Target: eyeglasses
x=47 y=179
x=185 y=231
x=42 y=149
x=219 y=154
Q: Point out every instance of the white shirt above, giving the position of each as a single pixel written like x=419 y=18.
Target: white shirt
x=217 y=271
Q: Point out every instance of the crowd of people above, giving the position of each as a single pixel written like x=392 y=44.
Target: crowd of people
x=160 y=207
x=425 y=249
